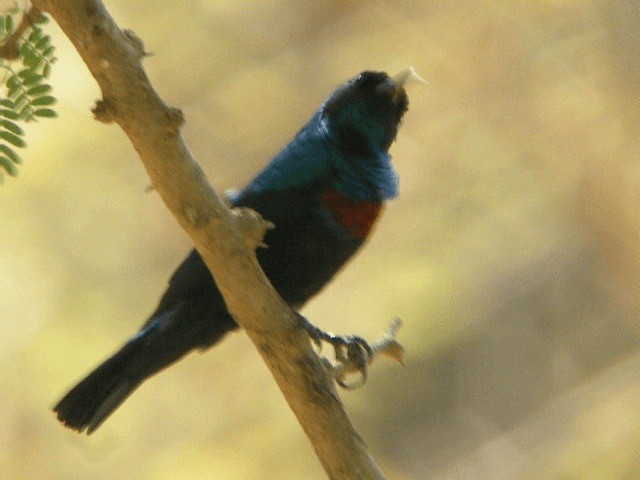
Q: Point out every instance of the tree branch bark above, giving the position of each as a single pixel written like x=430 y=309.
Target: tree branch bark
x=226 y=239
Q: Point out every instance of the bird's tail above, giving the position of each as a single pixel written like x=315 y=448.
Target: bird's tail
x=90 y=402
x=165 y=338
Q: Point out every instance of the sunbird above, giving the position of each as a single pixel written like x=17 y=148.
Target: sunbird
x=323 y=192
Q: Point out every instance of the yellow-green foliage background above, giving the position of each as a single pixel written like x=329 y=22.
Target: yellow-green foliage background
x=512 y=253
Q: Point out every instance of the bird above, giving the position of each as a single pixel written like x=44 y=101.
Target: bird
x=323 y=192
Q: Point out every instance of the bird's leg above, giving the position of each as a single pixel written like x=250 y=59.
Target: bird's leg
x=353 y=353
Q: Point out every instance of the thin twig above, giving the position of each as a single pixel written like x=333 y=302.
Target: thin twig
x=9 y=49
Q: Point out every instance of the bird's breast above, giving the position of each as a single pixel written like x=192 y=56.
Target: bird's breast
x=356 y=216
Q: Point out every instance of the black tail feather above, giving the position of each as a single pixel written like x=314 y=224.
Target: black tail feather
x=91 y=402
x=165 y=338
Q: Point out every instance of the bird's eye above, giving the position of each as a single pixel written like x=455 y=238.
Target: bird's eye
x=368 y=79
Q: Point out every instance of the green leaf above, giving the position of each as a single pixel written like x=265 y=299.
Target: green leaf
x=10 y=114
x=43 y=101
x=13 y=139
x=13 y=82
x=32 y=80
x=31 y=59
x=41 y=20
x=13 y=156
x=24 y=48
x=8 y=166
x=27 y=96
x=26 y=113
x=48 y=51
x=45 y=113
x=38 y=65
x=12 y=127
x=39 y=90
x=43 y=43
x=20 y=101
x=36 y=34
x=29 y=77
x=14 y=92
x=26 y=73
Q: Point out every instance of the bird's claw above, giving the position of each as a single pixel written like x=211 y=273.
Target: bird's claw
x=352 y=354
x=355 y=351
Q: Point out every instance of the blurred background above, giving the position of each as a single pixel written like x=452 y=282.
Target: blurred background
x=512 y=254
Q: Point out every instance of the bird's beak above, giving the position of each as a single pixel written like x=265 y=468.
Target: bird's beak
x=408 y=75
x=403 y=78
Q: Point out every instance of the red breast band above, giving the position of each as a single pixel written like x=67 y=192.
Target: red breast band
x=357 y=216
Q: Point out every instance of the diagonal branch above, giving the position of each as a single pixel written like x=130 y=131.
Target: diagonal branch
x=226 y=239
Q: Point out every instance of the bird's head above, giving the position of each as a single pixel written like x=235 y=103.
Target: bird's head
x=364 y=114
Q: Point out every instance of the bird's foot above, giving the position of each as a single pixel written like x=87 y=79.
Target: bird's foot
x=353 y=354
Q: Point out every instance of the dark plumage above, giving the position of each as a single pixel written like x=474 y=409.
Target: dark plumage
x=323 y=192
